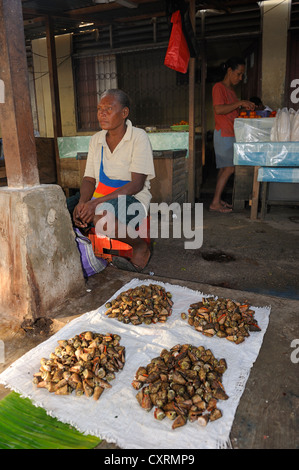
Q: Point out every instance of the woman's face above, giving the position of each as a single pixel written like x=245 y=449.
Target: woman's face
x=111 y=115
x=236 y=75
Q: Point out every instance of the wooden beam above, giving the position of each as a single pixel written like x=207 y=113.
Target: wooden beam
x=203 y=88
x=110 y=7
x=15 y=113
x=108 y=13
x=54 y=89
x=217 y=5
x=191 y=155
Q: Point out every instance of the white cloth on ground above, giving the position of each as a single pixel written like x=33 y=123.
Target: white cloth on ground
x=117 y=416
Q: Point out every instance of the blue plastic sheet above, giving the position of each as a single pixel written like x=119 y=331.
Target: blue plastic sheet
x=278 y=175
x=267 y=154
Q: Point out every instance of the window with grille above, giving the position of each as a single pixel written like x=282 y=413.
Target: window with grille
x=158 y=97
x=86 y=94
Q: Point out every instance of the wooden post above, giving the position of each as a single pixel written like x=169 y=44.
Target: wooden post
x=264 y=196
x=53 y=76
x=255 y=194
x=15 y=113
x=203 y=88
x=191 y=156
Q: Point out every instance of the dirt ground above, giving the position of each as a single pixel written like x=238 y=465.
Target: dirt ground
x=240 y=258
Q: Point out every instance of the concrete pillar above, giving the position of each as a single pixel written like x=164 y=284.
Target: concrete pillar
x=39 y=260
x=15 y=111
x=275 y=15
x=40 y=263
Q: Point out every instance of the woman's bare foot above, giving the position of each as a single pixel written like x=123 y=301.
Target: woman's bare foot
x=141 y=256
x=226 y=204
x=220 y=208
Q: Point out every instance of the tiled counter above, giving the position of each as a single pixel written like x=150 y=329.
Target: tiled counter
x=69 y=147
x=170 y=151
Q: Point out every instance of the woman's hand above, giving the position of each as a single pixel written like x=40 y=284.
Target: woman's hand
x=86 y=211
x=83 y=213
x=248 y=105
x=76 y=216
x=80 y=211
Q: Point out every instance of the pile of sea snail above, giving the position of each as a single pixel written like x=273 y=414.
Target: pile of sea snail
x=142 y=304
x=183 y=383
x=223 y=318
x=84 y=364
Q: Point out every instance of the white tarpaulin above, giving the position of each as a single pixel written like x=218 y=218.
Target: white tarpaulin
x=117 y=416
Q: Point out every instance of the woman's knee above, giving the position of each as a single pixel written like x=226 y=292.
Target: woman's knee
x=230 y=170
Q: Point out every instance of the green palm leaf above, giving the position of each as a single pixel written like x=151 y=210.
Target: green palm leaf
x=25 y=426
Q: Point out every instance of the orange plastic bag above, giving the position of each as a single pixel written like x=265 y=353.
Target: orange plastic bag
x=177 y=54
x=106 y=247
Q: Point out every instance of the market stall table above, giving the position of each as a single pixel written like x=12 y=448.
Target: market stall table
x=281 y=156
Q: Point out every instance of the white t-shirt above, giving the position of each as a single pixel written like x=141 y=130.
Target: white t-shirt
x=132 y=154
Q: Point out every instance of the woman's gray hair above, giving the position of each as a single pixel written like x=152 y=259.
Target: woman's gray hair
x=120 y=95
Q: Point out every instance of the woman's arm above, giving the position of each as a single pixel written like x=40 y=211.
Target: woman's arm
x=87 y=189
x=228 y=108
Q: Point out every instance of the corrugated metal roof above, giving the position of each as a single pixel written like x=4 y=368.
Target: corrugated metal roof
x=71 y=15
x=119 y=25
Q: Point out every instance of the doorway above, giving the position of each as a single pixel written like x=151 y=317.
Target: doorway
x=217 y=53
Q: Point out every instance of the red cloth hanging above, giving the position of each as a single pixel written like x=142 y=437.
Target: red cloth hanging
x=178 y=54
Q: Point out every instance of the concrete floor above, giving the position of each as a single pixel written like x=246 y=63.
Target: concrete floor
x=258 y=257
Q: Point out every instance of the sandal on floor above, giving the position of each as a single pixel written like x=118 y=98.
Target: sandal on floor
x=222 y=210
x=226 y=204
x=125 y=264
